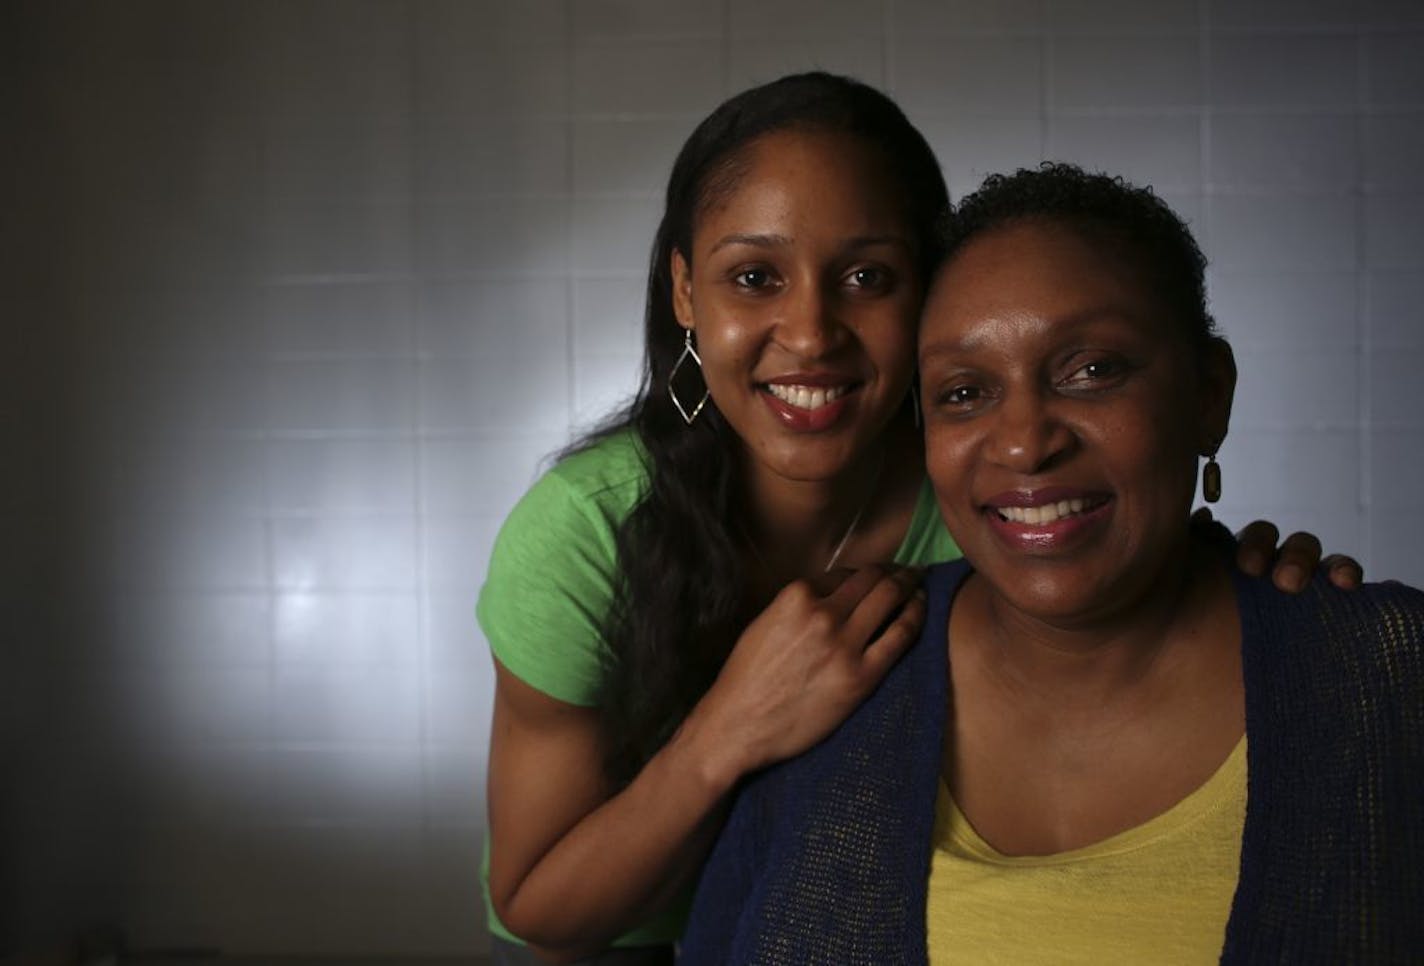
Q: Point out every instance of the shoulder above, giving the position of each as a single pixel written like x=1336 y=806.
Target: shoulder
x=610 y=475
x=552 y=574
x=1371 y=638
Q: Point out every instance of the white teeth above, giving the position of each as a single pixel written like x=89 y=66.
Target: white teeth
x=806 y=397
x=1047 y=513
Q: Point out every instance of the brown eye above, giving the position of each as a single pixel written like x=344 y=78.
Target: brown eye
x=868 y=278
x=753 y=278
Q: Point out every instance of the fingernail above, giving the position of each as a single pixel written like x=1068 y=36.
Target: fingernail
x=1293 y=576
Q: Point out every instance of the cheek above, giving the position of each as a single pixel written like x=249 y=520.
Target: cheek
x=948 y=460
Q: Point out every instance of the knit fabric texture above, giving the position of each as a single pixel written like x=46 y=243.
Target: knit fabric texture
x=825 y=858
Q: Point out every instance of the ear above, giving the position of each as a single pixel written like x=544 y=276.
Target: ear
x=682 y=290
x=1218 y=389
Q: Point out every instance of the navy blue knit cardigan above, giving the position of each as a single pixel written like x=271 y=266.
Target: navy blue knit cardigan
x=824 y=859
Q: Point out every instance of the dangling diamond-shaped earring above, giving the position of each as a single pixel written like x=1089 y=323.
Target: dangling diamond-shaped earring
x=687 y=350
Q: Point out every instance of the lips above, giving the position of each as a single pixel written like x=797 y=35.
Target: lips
x=809 y=402
x=1047 y=519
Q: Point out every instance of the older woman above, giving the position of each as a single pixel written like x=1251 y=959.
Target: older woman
x=1059 y=769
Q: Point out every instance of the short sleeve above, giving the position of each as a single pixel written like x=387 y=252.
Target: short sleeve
x=548 y=591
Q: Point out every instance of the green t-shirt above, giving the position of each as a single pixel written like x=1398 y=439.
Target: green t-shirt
x=552 y=577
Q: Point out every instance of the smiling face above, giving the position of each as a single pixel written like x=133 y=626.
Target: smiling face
x=1064 y=410
x=802 y=290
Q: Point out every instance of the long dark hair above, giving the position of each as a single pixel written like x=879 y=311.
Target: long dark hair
x=680 y=603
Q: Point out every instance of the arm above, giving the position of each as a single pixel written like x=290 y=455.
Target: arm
x=573 y=866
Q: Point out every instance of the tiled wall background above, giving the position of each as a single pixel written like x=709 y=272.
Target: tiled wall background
x=297 y=294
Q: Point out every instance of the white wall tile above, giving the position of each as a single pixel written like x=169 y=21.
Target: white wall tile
x=1123 y=16
x=645 y=19
x=449 y=29
x=1255 y=71
x=1395 y=539
x=496 y=236
x=1138 y=72
x=369 y=162
x=212 y=322
x=1163 y=152
x=1290 y=471
x=337 y=238
x=343 y=553
x=334 y=630
x=164 y=705
x=456 y=795
x=1395 y=68
x=339 y=319
x=491 y=155
x=1276 y=151
x=939 y=18
x=457 y=553
x=625 y=78
x=936 y=76
x=1392 y=14
x=355 y=396
x=1282 y=387
x=1281 y=232
x=460 y=703
x=356 y=785
x=1394 y=230
x=1396 y=309
x=185 y=475
x=520 y=394
x=1306 y=310
x=613 y=235
x=752 y=62
x=354 y=705
x=515 y=80
x=625 y=156
x=969 y=151
x=175 y=630
x=324 y=62
x=1393 y=150
x=341 y=474
x=463 y=477
x=603 y=384
x=1396 y=395
x=494 y=319
x=798 y=20
x=453 y=633
x=1283 y=14
x=204 y=552
x=608 y=314
x=1396 y=475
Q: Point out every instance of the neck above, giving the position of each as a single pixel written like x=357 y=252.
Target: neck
x=1088 y=661
x=797 y=526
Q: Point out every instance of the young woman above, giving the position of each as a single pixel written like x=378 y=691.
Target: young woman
x=669 y=608
x=1058 y=771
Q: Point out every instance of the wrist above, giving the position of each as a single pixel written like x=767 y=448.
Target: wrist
x=710 y=757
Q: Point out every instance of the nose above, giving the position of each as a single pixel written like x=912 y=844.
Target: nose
x=810 y=326
x=1026 y=435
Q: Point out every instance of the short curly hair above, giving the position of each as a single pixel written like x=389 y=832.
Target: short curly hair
x=1133 y=222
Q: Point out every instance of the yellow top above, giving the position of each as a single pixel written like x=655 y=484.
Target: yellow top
x=1157 y=893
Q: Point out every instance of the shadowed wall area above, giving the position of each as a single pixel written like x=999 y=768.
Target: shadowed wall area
x=298 y=294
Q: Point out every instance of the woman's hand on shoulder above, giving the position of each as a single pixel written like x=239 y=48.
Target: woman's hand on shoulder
x=1293 y=561
x=806 y=662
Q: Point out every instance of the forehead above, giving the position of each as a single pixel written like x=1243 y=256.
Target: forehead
x=1039 y=270
x=803 y=183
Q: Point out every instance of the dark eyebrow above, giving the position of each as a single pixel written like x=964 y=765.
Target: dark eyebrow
x=756 y=241
x=772 y=241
